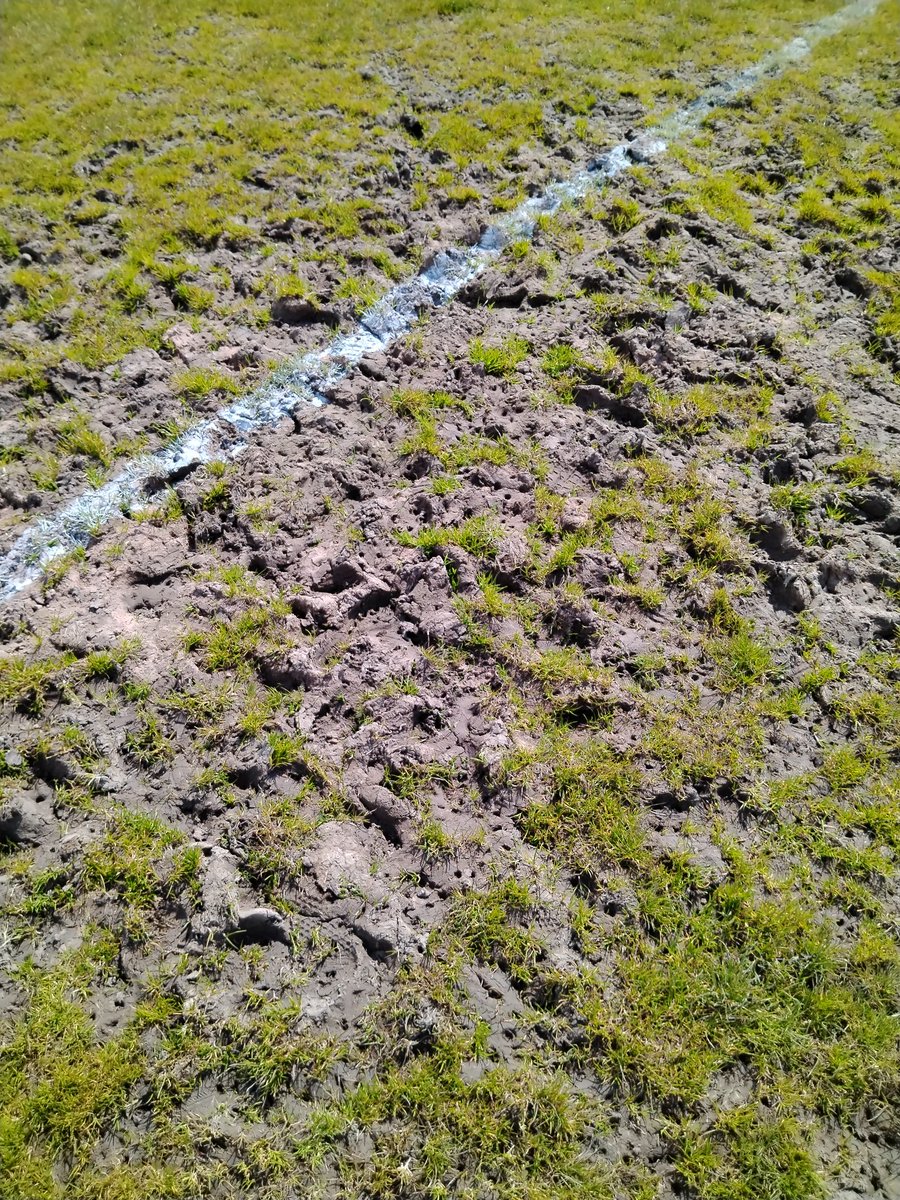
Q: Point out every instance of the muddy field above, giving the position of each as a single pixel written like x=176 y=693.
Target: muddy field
x=483 y=784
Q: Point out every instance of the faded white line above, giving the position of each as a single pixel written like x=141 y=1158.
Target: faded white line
x=307 y=378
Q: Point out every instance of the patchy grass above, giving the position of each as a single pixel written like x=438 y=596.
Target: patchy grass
x=480 y=536
x=658 y=911
x=60 y=1086
x=493 y=926
x=127 y=862
x=501 y=359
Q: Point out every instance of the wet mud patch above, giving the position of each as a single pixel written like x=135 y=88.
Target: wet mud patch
x=486 y=783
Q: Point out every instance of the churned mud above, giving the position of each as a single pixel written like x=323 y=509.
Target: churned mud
x=485 y=783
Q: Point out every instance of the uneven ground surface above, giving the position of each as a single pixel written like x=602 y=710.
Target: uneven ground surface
x=487 y=784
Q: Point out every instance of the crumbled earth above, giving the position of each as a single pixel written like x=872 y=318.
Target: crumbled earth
x=487 y=784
